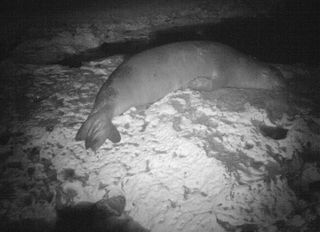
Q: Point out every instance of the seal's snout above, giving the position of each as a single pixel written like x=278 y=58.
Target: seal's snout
x=96 y=129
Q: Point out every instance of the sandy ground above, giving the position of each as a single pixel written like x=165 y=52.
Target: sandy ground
x=229 y=160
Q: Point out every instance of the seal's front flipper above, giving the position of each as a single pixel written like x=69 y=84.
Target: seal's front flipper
x=96 y=129
x=205 y=84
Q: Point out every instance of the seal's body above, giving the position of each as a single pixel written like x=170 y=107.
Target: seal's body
x=150 y=75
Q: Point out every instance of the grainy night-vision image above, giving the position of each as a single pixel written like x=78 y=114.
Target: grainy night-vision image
x=159 y=115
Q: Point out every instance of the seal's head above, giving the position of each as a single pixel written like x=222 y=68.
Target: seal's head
x=256 y=75
x=271 y=78
x=261 y=76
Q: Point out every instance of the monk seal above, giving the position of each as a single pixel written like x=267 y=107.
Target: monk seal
x=150 y=75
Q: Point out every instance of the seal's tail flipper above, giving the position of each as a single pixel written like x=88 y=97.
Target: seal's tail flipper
x=96 y=129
